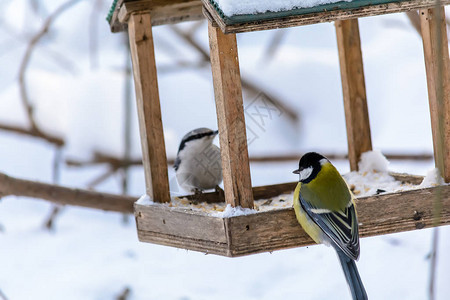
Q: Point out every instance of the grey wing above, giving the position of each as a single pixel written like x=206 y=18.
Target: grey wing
x=341 y=227
x=176 y=164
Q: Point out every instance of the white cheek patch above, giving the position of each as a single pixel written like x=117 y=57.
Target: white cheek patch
x=305 y=173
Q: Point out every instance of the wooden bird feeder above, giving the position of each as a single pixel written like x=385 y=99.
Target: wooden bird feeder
x=276 y=229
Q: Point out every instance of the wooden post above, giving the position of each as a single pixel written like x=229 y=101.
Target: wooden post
x=149 y=111
x=354 y=90
x=435 y=45
x=230 y=116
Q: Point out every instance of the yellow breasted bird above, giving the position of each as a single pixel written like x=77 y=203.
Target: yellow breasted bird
x=325 y=208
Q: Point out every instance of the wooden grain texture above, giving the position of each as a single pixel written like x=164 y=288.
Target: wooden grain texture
x=437 y=65
x=382 y=214
x=230 y=116
x=278 y=229
x=161 y=11
x=354 y=90
x=180 y=222
x=266 y=231
x=322 y=17
x=148 y=106
x=63 y=195
x=114 y=24
x=164 y=12
x=203 y=246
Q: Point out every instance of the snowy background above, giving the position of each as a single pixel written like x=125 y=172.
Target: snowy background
x=93 y=255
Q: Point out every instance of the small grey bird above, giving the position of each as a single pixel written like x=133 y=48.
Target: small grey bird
x=198 y=165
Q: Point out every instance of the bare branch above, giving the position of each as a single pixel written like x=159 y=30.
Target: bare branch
x=413 y=17
x=26 y=59
x=64 y=195
x=93 y=33
x=125 y=294
x=34 y=133
x=117 y=163
x=274 y=44
x=2 y=296
x=433 y=263
x=246 y=84
x=97 y=180
x=49 y=223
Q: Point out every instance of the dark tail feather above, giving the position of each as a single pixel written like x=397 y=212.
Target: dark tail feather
x=352 y=276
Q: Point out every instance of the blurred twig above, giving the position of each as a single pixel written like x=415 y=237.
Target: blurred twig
x=246 y=84
x=125 y=294
x=2 y=296
x=34 y=132
x=26 y=59
x=433 y=260
x=93 y=33
x=64 y=195
x=34 y=129
x=116 y=163
x=274 y=45
x=59 y=58
x=49 y=223
x=413 y=17
x=99 y=179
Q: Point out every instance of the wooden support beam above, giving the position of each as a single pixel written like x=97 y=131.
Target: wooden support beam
x=435 y=45
x=149 y=110
x=163 y=12
x=354 y=90
x=230 y=116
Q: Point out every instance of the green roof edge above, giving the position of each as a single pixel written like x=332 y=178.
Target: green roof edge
x=111 y=11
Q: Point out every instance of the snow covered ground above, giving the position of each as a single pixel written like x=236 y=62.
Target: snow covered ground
x=92 y=255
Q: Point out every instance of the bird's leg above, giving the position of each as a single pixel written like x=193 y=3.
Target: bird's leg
x=197 y=192
x=221 y=193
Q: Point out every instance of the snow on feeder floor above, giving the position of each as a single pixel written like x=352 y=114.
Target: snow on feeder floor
x=386 y=203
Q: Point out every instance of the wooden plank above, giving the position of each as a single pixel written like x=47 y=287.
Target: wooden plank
x=382 y=214
x=265 y=232
x=164 y=12
x=231 y=120
x=354 y=90
x=435 y=45
x=161 y=11
x=180 y=222
x=278 y=229
x=204 y=246
x=314 y=18
x=149 y=110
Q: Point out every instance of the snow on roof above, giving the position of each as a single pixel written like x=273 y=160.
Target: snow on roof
x=243 y=7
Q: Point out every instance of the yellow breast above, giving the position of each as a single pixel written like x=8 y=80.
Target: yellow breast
x=307 y=224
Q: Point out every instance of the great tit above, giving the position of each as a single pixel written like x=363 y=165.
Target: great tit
x=198 y=164
x=325 y=208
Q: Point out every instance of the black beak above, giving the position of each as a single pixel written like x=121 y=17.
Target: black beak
x=296 y=171
x=216 y=132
